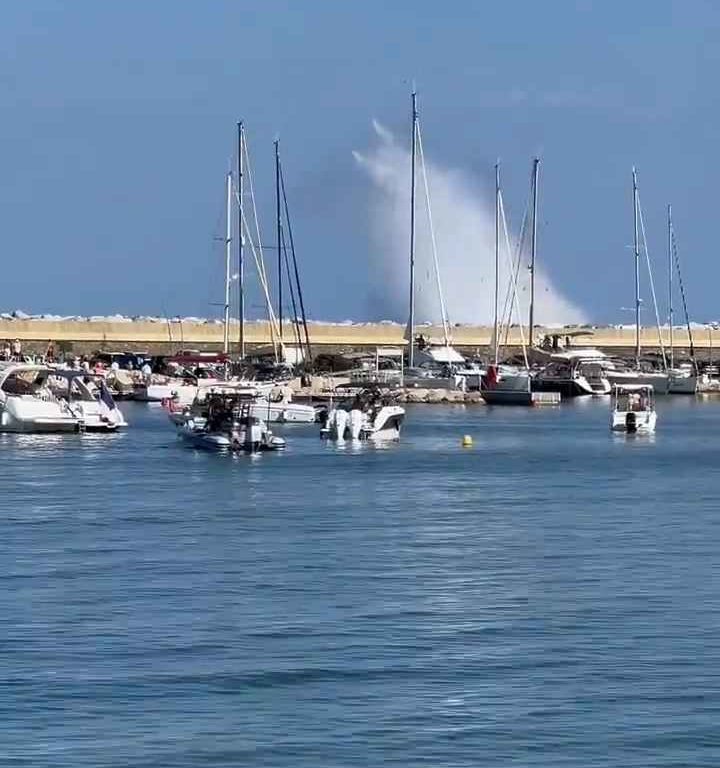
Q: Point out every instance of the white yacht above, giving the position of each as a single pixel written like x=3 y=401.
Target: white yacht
x=575 y=373
x=633 y=409
x=27 y=403
x=271 y=405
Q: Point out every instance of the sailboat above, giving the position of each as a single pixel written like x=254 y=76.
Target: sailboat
x=506 y=385
x=618 y=373
x=683 y=380
x=429 y=353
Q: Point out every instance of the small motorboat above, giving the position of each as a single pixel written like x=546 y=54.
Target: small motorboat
x=633 y=409
x=369 y=416
x=229 y=426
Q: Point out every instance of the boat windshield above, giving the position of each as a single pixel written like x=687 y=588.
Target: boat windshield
x=24 y=382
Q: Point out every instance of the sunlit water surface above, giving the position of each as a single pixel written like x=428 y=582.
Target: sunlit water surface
x=547 y=597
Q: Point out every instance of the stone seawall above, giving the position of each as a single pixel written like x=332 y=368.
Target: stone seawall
x=90 y=335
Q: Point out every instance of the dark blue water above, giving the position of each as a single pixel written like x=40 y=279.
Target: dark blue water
x=549 y=597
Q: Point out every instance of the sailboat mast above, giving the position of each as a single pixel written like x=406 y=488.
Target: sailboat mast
x=279 y=235
x=413 y=152
x=533 y=250
x=241 y=265
x=228 y=255
x=636 y=248
x=670 y=285
x=496 y=330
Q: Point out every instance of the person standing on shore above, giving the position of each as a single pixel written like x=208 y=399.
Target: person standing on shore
x=17 y=351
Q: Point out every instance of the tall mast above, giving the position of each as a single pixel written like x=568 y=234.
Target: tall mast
x=279 y=234
x=496 y=330
x=228 y=256
x=670 y=285
x=533 y=250
x=636 y=247
x=241 y=266
x=411 y=319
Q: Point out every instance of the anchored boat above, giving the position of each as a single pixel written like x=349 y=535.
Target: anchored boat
x=230 y=426
x=369 y=416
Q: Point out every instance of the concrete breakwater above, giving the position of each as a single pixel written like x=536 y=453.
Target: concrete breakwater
x=163 y=337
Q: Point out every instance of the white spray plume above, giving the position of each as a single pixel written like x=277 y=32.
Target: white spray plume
x=465 y=229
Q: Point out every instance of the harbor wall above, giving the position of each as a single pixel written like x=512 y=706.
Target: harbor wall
x=90 y=335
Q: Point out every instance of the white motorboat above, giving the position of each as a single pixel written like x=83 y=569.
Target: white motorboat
x=28 y=404
x=88 y=397
x=633 y=409
x=574 y=374
x=229 y=426
x=370 y=416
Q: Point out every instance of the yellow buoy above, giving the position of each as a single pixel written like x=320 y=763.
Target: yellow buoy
x=467 y=441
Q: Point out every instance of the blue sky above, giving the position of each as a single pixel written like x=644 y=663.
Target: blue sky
x=118 y=123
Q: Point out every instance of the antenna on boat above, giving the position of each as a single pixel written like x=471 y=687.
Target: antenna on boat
x=496 y=339
x=279 y=235
x=636 y=250
x=228 y=256
x=241 y=218
x=533 y=248
x=413 y=153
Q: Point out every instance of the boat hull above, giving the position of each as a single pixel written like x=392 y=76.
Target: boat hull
x=634 y=422
x=29 y=415
x=683 y=385
x=224 y=442
x=572 y=387
x=658 y=381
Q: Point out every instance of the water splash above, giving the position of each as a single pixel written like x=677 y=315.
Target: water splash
x=465 y=227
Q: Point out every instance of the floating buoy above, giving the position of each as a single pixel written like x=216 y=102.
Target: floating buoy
x=467 y=441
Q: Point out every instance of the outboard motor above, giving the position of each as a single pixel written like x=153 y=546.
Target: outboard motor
x=338 y=424
x=631 y=422
x=356 y=423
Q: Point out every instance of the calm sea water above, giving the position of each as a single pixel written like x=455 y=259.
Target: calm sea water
x=549 y=597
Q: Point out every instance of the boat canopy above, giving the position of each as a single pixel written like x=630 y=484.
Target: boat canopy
x=620 y=388
x=440 y=354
